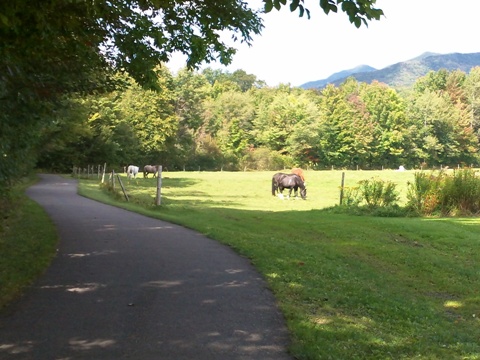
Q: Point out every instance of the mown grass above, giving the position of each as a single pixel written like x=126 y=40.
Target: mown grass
x=250 y=190
x=350 y=287
x=28 y=242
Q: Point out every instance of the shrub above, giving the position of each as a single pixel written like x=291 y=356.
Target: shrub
x=378 y=193
x=351 y=196
x=442 y=194
x=380 y=198
x=461 y=193
x=423 y=195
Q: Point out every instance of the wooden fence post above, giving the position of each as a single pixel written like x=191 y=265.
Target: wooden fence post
x=158 y=199
x=341 y=187
x=123 y=187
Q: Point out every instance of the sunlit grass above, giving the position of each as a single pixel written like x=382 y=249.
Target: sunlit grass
x=350 y=287
x=250 y=190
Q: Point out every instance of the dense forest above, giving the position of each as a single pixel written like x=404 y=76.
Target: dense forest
x=216 y=120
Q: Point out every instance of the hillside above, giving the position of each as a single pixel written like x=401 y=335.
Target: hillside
x=337 y=76
x=402 y=74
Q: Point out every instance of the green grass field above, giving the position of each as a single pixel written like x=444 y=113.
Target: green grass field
x=251 y=190
x=350 y=287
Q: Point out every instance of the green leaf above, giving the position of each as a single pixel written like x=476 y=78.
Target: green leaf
x=333 y=8
x=376 y=14
x=349 y=8
x=301 y=11
x=294 y=5
x=327 y=6
x=268 y=5
x=4 y=20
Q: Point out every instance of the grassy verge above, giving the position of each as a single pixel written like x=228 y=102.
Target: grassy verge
x=350 y=287
x=27 y=244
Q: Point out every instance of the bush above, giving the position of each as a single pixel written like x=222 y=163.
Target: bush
x=351 y=196
x=423 y=194
x=461 y=193
x=379 y=196
x=378 y=193
x=442 y=194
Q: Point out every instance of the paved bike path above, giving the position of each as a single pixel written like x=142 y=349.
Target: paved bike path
x=125 y=286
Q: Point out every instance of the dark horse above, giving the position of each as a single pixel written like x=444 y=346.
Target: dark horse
x=149 y=169
x=281 y=181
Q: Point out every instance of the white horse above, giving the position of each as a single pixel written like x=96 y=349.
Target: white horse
x=132 y=170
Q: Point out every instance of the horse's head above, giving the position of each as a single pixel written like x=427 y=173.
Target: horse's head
x=303 y=193
x=301 y=184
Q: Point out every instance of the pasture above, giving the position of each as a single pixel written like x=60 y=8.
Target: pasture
x=350 y=287
x=252 y=190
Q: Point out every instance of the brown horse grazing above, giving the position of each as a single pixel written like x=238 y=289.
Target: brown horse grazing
x=149 y=169
x=299 y=172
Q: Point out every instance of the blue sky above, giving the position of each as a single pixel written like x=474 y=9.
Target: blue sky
x=293 y=50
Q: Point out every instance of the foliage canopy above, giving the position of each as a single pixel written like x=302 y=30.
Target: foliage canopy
x=60 y=47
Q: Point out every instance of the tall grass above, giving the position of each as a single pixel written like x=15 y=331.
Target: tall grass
x=350 y=287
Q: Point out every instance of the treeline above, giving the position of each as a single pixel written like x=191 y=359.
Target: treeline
x=217 y=120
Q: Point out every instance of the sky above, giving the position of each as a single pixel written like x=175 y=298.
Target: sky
x=293 y=50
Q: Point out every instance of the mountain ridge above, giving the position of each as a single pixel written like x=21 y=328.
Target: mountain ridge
x=402 y=74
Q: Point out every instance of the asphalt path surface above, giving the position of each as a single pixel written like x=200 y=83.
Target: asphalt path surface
x=125 y=286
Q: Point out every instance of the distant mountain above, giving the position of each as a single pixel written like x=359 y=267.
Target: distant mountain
x=337 y=76
x=402 y=74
